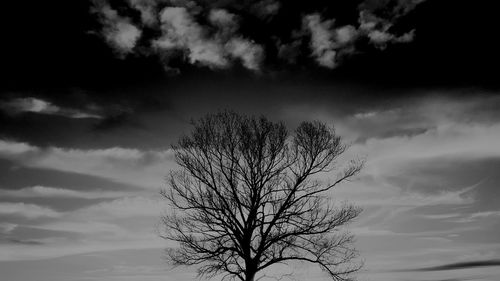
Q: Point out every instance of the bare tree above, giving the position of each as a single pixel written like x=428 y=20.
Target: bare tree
x=247 y=197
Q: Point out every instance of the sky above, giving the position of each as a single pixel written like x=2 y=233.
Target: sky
x=95 y=92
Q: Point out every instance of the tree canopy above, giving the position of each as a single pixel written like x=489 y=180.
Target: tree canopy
x=247 y=197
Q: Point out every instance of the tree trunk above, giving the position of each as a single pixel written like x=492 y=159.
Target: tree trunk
x=250 y=275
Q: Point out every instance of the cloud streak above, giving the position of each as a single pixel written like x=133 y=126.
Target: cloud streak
x=459 y=265
x=54 y=192
x=30 y=211
x=130 y=166
x=35 y=105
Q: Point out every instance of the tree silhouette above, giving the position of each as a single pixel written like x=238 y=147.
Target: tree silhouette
x=247 y=197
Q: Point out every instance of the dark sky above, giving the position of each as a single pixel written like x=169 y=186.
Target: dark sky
x=94 y=92
x=66 y=53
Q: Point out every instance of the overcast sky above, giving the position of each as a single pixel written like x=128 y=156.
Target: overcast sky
x=94 y=92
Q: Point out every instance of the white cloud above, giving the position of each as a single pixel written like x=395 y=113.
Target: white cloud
x=322 y=41
x=118 y=30
x=147 y=8
x=248 y=52
x=382 y=38
x=20 y=105
x=328 y=43
x=377 y=30
x=345 y=34
x=124 y=35
x=215 y=41
x=180 y=31
x=12 y=149
x=222 y=19
x=30 y=211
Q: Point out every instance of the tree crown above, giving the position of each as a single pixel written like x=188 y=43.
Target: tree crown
x=246 y=198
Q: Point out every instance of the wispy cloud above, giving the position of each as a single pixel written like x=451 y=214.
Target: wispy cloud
x=54 y=192
x=477 y=216
x=378 y=30
x=131 y=166
x=460 y=265
x=122 y=223
x=35 y=105
x=30 y=211
x=126 y=207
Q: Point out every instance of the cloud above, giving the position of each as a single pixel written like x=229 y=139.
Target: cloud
x=322 y=42
x=460 y=265
x=180 y=31
x=345 y=34
x=24 y=242
x=392 y=9
x=392 y=139
x=30 y=211
x=377 y=30
x=126 y=207
x=118 y=31
x=266 y=9
x=121 y=223
x=6 y=228
x=329 y=44
x=22 y=105
x=250 y=54
x=475 y=216
x=147 y=8
x=130 y=166
x=380 y=192
x=447 y=140
x=53 y=192
x=206 y=34
x=12 y=149
x=442 y=216
x=223 y=20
